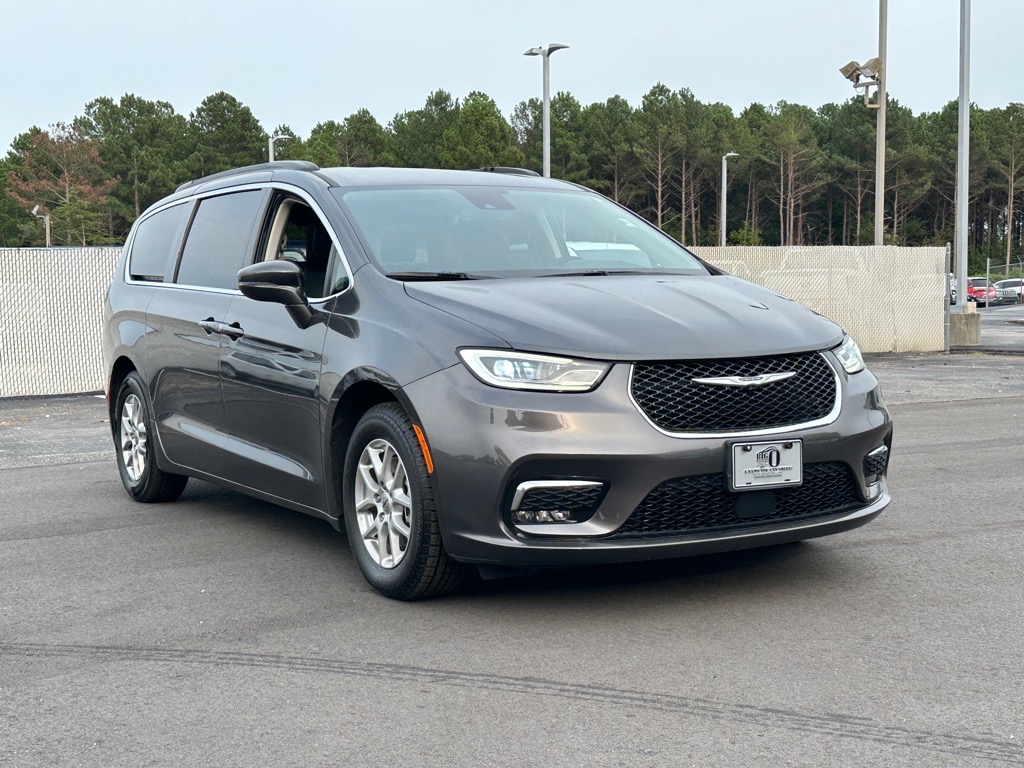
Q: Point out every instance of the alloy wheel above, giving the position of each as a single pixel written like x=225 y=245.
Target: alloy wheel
x=383 y=503
x=134 y=440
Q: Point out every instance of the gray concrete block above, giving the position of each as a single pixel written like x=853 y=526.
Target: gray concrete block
x=964 y=329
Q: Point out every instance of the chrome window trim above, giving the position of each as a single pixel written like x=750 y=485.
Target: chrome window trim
x=264 y=185
x=829 y=418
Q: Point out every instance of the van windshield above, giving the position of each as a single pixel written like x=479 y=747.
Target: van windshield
x=496 y=231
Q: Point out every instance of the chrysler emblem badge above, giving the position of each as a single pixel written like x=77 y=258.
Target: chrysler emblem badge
x=745 y=381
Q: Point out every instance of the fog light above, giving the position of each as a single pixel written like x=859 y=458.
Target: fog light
x=875 y=464
x=556 y=501
x=543 y=516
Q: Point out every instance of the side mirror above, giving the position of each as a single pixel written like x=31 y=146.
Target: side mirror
x=277 y=281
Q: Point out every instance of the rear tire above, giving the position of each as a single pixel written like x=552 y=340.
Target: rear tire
x=390 y=514
x=133 y=431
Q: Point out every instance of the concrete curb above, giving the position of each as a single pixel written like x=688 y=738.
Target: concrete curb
x=983 y=350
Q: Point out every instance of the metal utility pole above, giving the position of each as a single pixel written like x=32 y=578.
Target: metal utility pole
x=875 y=70
x=963 y=155
x=546 y=52
x=725 y=178
x=270 y=144
x=46 y=222
x=883 y=97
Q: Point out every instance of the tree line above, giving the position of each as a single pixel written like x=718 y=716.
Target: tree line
x=801 y=176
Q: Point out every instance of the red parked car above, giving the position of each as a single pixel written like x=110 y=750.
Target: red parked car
x=980 y=290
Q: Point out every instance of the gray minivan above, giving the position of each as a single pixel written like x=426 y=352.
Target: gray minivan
x=478 y=368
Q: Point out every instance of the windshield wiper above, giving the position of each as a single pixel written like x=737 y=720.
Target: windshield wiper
x=597 y=273
x=416 y=276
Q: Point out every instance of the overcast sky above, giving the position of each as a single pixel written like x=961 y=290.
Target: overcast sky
x=305 y=61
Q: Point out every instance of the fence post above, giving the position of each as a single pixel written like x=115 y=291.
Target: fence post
x=949 y=287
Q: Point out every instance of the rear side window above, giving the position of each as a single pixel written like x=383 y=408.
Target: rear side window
x=156 y=244
x=218 y=241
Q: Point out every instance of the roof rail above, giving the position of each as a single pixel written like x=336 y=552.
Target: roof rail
x=277 y=165
x=509 y=170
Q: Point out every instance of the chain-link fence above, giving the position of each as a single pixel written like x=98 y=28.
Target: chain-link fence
x=889 y=299
x=51 y=314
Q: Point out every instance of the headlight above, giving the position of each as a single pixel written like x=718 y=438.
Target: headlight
x=849 y=355
x=518 y=370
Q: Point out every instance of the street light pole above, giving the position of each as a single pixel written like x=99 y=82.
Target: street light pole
x=883 y=97
x=725 y=177
x=963 y=155
x=546 y=52
x=46 y=222
x=270 y=144
x=875 y=70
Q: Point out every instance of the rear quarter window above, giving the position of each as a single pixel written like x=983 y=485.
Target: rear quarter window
x=155 y=245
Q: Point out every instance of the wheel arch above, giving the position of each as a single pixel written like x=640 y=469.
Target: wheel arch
x=122 y=366
x=358 y=392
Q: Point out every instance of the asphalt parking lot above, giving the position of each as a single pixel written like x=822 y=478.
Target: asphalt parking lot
x=221 y=630
x=1002 y=328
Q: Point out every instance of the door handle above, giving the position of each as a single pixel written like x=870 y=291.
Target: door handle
x=210 y=325
x=233 y=331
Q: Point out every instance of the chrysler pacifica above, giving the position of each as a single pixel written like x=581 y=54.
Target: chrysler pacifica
x=478 y=368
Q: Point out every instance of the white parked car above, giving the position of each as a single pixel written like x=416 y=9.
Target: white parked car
x=1009 y=291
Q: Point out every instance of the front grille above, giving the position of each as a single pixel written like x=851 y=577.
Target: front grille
x=570 y=499
x=700 y=504
x=666 y=393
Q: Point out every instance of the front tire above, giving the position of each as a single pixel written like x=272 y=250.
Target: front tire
x=133 y=430
x=390 y=515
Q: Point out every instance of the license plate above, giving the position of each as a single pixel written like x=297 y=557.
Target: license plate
x=1006 y=294
x=766 y=465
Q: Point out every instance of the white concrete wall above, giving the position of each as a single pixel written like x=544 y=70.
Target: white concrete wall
x=889 y=299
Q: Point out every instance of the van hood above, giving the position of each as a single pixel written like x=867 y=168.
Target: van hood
x=634 y=317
